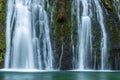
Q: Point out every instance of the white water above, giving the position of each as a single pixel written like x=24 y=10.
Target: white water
x=83 y=10
x=84 y=30
x=100 y=18
x=28 y=40
x=22 y=51
x=85 y=41
x=8 y=32
x=84 y=33
x=28 y=35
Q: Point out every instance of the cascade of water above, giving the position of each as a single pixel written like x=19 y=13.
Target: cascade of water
x=82 y=11
x=100 y=19
x=84 y=32
x=72 y=40
x=22 y=39
x=61 y=56
x=28 y=39
x=85 y=42
x=73 y=51
x=10 y=12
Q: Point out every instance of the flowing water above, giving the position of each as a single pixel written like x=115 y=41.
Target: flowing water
x=84 y=18
x=84 y=33
x=28 y=39
x=29 y=25
x=100 y=18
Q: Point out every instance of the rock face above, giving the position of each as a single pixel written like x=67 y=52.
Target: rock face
x=62 y=18
x=113 y=30
x=62 y=34
x=2 y=31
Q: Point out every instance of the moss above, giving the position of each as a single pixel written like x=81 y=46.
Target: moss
x=108 y=4
x=112 y=24
x=2 y=45
x=2 y=11
x=113 y=29
x=1 y=6
x=2 y=17
x=2 y=29
x=61 y=20
x=62 y=28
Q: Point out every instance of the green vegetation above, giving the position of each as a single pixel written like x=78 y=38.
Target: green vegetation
x=2 y=11
x=108 y=4
x=62 y=20
x=2 y=29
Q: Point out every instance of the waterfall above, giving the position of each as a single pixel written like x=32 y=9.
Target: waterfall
x=29 y=44
x=100 y=19
x=84 y=33
x=28 y=36
x=85 y=42
x=83 y=12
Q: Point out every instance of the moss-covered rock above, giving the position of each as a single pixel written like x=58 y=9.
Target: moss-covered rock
x=113 y=31
x=108 y=4
x=2 y=31
x=62 y=31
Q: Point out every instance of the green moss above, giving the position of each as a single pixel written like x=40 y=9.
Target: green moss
x=113 y=30
x=2 y=45
x=62 y=29
x=108 y=4
x=2 y=29
x=2 y=11
x=62 y=25
x=1 y=6
x=1 y=57
x=96 y=33
x=2 y=17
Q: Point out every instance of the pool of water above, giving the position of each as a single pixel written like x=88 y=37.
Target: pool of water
x=59 y=75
